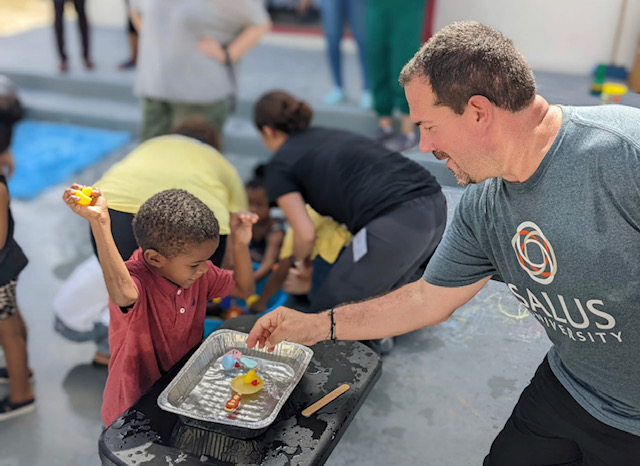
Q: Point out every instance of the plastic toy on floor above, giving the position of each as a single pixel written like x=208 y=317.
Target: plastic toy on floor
x=612 y=92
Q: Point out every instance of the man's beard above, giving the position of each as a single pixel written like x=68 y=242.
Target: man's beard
x=462 y=177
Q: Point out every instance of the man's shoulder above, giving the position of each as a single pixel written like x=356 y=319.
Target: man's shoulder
x=621 y=120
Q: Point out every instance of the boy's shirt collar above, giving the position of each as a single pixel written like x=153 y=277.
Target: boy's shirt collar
x=160 y=283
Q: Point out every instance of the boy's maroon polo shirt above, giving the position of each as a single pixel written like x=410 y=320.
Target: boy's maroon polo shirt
x=162 y=326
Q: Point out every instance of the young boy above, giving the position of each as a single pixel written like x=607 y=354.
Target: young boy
x=13 y=332
x=158 y=297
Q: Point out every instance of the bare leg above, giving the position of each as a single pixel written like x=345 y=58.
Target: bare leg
x=12 y=333
x=83 y=25
x=59 y=31
x=22 y=325
x=133 y=46
x=385 y=122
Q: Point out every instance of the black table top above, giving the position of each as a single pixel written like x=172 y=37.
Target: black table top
x=148 y=435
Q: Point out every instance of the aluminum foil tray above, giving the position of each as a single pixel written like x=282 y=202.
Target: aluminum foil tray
x=202 y=387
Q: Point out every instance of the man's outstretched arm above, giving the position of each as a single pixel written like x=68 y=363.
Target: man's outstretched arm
x=414 y=306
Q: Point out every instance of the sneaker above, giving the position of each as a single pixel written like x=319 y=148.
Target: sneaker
x=9 y=410
x=402 y=142
x=382 y=346
x=383 y=134
x=334 y=97
x=366 y=100
x=127 y=65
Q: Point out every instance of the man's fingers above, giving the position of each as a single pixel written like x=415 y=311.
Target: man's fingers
x=260 y=330
x=266 y=331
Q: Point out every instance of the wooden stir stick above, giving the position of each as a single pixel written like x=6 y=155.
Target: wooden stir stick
x=325 y=400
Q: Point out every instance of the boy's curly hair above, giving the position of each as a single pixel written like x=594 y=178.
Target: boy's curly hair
x=173 y=221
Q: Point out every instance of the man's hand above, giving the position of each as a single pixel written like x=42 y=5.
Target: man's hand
x=96 y=211
x=241 y=225
x=287 y=324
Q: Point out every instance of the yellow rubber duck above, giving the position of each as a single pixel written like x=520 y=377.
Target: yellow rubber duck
x=250 y=377
x=85 y=195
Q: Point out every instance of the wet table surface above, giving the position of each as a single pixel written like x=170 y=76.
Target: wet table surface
x=148 y=435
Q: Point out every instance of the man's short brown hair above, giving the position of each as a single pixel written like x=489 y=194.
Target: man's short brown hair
x=468 y=58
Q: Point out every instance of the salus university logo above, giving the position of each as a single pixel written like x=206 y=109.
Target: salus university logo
x=534 y=252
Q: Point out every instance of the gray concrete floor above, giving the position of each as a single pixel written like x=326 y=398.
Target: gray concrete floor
x=444 y=394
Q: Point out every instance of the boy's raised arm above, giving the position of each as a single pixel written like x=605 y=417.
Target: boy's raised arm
x=241 y=224
x=116 y=275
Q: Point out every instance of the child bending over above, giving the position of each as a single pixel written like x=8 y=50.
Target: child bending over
x=158 y=297
x=268 y=232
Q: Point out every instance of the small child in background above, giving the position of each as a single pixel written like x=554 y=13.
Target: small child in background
x=158 y=297
x=331 y=238
x=13 y=331
x=268 y=233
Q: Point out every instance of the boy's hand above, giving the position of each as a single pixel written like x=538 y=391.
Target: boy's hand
x=6 y=164
x=96 y=211
x=241 y=224
x=299 y=278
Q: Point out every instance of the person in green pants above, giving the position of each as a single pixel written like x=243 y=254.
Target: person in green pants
x=394 y=29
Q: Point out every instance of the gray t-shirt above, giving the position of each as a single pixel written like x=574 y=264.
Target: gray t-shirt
x=170 y=66
x=567 y=244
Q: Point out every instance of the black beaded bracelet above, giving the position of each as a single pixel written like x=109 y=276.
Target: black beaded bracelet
x=333 y=325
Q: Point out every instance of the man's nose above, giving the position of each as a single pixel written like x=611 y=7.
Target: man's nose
x=426 y=143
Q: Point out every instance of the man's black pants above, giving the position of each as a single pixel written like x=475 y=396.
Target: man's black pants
x=548 y=427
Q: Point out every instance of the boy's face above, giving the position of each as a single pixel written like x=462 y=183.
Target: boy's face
x=258 y=202
x=185 y=268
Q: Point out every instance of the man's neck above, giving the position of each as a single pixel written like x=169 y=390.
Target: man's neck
x=526 y=138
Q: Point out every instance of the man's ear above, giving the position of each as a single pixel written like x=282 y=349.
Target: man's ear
x=154 y=258
x=481 y=111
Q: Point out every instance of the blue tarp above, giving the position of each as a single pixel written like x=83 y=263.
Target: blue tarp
x=48 y=153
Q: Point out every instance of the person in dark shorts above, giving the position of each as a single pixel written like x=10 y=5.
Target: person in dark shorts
x=13 y=331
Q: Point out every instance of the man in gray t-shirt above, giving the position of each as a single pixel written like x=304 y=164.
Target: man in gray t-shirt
x=554 y=212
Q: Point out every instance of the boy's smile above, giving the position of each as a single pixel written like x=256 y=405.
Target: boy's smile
x=185 y=268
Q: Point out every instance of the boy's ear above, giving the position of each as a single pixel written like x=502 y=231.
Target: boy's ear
x=154 y=258
x=267 y=131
